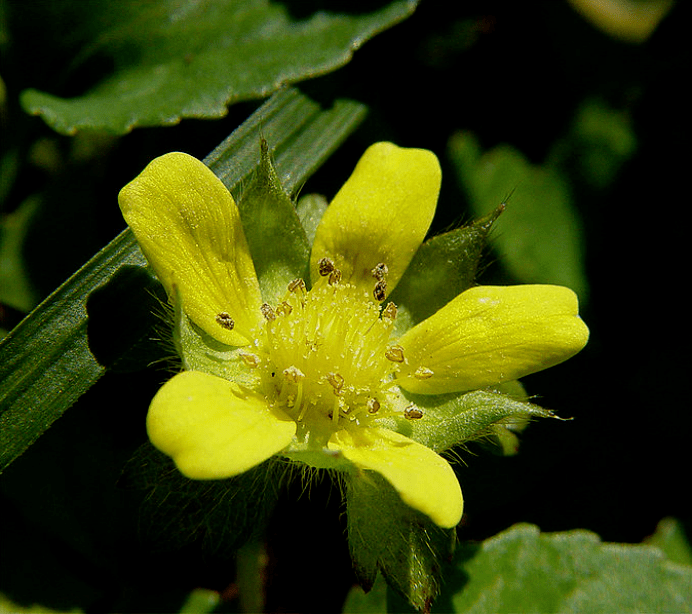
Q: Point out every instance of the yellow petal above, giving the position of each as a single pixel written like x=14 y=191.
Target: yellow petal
x=380 y=215
x=189 y=228
x=492 y=334
x=423 y=479
x=212 y=429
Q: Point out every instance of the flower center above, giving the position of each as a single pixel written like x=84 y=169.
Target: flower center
x=325 y=355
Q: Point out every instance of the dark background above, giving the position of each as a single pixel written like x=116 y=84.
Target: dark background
x=509 y=72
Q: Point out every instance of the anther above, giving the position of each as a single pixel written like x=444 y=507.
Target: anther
x=380 y=271
x=225 y=321
x=293 y=374
x=268 y=312
x=395 y=353
x=423 y=373
x=336 y=381
x=413 y=413
x=373 y=406
x=334 y=277
x=380 y=291
x=251 y=360
x=325 y=266
x=389 y=311
x=296 y=284
x=284 y=309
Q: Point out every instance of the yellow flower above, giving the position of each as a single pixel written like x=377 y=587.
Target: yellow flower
x=318 y=375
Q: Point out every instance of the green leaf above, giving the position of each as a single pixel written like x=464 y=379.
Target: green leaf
x=177 y=59
x=386 y=535
x=523 y=570
x=539 y=235
x=45 y=362
x=60 y=350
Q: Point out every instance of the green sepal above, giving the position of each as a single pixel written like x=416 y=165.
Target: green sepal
x=386 y=535
x=452 y=419
x=277 y=241
x=443 y=267
x=316 y=458
x=502 y=438
x=311 y=208
x=310 y=447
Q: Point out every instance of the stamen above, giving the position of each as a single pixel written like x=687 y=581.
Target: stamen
x=325 y=266
x=268 y=312
x=395 y=353
x=334 y=277
x=413 y=413
x=389 y=311
x=284 y=309
x=336 y=409
x=373 y=406
x=332 y=337
x=293 y=374
x=336 y=381
x=299 y=399
x=423 y=373
x=251 y=360
x=380 y=291
x=380 y=271
x=225 y=321
x=304 y=408
x=296 y=284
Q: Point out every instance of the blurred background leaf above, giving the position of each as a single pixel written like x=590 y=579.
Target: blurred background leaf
x=599 y=141
x=178 y=59
x=670 y=538
x=15 y=291
x=200 y=601
x=539 y=235
x=629 y=20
